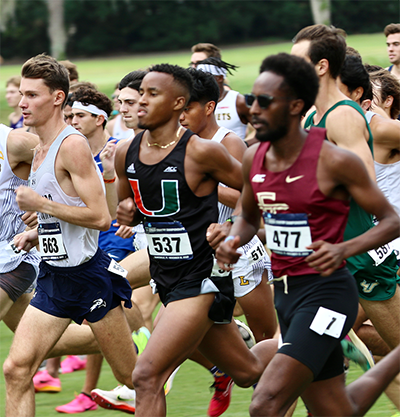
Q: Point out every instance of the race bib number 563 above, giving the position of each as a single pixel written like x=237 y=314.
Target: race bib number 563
x=51 y=242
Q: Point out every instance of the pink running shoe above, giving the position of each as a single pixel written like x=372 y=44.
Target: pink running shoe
x=44 y=382
x=222 y=396
x=80 y=404
x=72 y=363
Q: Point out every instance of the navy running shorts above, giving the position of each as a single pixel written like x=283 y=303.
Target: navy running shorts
x=87 y=291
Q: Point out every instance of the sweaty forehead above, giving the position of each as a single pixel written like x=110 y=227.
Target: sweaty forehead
x=128 y=93
x=32 y=84
x=159 y=80
x=267 y=83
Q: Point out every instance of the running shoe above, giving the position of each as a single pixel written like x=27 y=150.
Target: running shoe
x=121 y=398
x=72 y=363
x=355 y=350
x=44 y=382
x=170 y=380
x=80 y=404
x=140 y=338
x=246 y=333
x=222 y=396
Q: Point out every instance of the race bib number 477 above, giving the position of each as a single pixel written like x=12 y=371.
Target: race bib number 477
x=288 y=234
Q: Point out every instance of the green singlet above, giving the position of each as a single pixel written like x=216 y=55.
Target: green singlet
x=374 y=282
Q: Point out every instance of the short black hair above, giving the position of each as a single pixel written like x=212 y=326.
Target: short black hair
x=300 y=77
x=353 y=75
x=205 y=88
x=180 y=75
x=132 y=80
x=212 y=60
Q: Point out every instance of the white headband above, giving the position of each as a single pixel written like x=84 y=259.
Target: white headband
x=212 y=69
x=91 y=108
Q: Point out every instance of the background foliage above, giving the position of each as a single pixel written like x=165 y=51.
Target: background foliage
x=109 y=27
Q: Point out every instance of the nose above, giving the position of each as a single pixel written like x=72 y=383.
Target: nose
x=182 y=117
x=22 y=103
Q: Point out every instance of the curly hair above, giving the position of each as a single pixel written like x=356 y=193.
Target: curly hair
x=90 y=96
x=300 y=78
x=205 y=88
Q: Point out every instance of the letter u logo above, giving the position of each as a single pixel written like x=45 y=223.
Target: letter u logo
x=170 y=198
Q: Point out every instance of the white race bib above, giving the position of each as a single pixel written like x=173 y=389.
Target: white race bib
x=288 y=234
x=256 y=252
x=328 y=322
x=168 y=240
x=12 y=250
x=51 y=242
x=380 y=254
x=117 y=269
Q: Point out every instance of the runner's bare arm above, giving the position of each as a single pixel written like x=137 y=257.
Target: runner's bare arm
x=80 y=179
x=364 y=191
x=20 y=147
x=347 y=129
x=127 y=213
x=246 y=225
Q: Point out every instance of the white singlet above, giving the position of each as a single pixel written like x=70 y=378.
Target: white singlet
x=388 y=180
x=227 y=116
x=11 y=223
x=118 y=132
x=64 y=244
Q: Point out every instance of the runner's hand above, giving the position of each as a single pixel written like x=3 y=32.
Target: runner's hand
x=30 y=219
x=217 y=233
x=227 y=254
x=126 y=211
x=326 y=257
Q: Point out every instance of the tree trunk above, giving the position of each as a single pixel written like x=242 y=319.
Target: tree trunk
x=7 y=12
x=321 y=11
x=56 y=29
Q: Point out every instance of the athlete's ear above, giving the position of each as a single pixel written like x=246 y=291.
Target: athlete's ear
x=99 y=119
x=180 y=103
x=322 y=67
x=296 y=107
x=210 y=106
x=59 y=97
x=387 y=104
x=366 y=104
x=357 y=94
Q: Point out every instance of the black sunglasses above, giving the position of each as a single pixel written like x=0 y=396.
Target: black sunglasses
x=263 y=100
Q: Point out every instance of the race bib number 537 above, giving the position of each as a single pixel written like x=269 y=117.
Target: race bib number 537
x=168 y=240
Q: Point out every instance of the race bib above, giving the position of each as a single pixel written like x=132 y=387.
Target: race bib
x=217 y=271
x=288 y=234
x=256 y=252
x=328 y=322
x=12 y=250
x=168 y=240
x=51 y=242
x=380 y=254
x=117 y=269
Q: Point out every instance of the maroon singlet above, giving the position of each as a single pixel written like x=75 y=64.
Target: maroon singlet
x=294 y=201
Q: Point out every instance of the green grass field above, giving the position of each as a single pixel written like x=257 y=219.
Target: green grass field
x=105 y=73
x=190 y=395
